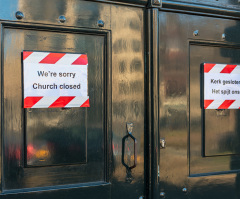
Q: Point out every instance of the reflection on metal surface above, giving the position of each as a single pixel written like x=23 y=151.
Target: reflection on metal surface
x=62 y=19
x=223 y=36
x=127 y=96
x=223 y=7
x=217 y=129
x=181 y=118
x=19 y=15
x=173 y=102
x=195 y=33
x=52 y=137
x=129 y=142
x=222 y=112
x=100 y=23
x=162 y=194
x=184 y=190
x=77 y=13
x=162 y=143
x=130 y=127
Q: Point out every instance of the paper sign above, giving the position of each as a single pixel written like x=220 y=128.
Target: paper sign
x=53 y=80
x=221 y=86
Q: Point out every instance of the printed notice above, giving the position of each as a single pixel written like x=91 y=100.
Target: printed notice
x=54 y=80
x=221 y=86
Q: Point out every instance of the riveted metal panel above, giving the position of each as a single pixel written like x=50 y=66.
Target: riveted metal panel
x=215 y=31
x=77 y=13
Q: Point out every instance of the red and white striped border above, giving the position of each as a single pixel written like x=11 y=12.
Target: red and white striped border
x=56 y=102
x=58 y=59
x=54 y=58
x=221 y=68
x=227 y=69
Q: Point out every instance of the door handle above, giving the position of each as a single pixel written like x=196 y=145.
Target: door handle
x=134 y=140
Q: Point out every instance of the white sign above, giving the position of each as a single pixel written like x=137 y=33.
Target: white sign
x=221 y=86
x=55 y=80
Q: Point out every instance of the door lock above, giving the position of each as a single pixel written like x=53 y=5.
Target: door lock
x=162 y=143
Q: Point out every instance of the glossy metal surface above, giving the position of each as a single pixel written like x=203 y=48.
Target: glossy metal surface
x=47 y=137
x=139 y=2
x=57 y=136
x=212 y=8
x=77 y=13
x=19 y=15
x=217 y=129
x=229 y=4
x=153 y=103
x=173 y=101
x=116 y=86
x=198 y=157
x=127 y=96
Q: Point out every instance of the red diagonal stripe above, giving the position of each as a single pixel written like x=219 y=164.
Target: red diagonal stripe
x=61 y=101
x=226 y=104
x=30 y=101
x=52 y=58
x=81 y=60
x=86 y=104
x=207 y=103
x=228 y=68
x=208 y=67
x=26 y=54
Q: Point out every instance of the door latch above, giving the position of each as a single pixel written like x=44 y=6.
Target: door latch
x=162 y=143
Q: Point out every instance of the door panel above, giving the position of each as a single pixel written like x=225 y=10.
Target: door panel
x=52 y=146
x=128 y=97
x=201 y=158
x=218 y=131
x=76 y=152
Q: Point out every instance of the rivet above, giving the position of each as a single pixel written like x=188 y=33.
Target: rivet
x=223 y=36
x=100 y=23
x=162 y=194
x=141 y=197
x=19 y=15
x=195 y=33
x=62 y=19
x=184 y=190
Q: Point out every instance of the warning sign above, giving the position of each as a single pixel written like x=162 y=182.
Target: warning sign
x=221 y=86
x=53 y=80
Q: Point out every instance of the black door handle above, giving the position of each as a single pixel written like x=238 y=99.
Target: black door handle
x=129 y=135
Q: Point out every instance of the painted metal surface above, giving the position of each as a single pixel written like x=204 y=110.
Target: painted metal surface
x=115 y=50
x=138 y=2
x=146 y=72
x=47 y=137
x=229 y=4
x=128 y=97
x=153 y=103
x=201 y=159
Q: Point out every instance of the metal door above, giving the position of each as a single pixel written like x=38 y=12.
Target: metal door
x=200 y=155
x=74 y=152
